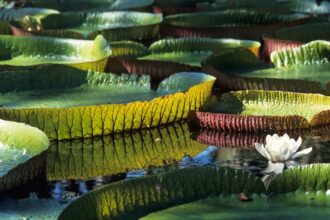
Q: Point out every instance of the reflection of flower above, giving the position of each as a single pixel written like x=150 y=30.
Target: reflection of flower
x=280 y=151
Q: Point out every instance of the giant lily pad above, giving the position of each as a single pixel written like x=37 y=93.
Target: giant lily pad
x=304 y=68
x=18 y=143
x=306 y=32
x=69 y=103
x=119 y=153
x=23 y=168
x=240 y=24
x=301 y=6
x=272 y=44
x=106 y=5
x=10 y=15
x=22 y=137
x=14 y=14
x=192 y=51
x=157 y=70
x=28 y=51
x=229 y=207
x=114 y=26
x=266 y=111
x=176 y=3
x=127 y=49
x=159 y=191
x=175 y=6
x=312 y=53
x=296 y=36
x=182 y=186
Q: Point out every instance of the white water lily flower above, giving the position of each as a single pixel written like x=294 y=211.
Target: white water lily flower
x=280 y=151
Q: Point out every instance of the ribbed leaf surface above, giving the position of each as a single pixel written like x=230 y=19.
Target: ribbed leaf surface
x=266 y=111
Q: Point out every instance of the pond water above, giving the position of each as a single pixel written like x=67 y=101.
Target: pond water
x=70 y=169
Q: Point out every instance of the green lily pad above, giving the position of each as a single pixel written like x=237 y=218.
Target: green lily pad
x=19 y=168
x=58 y=87
x=229 y=18
x=301 y=6
x=258 y=110
x=104 y=5
x=234 y=60
x=127 y=49
x=18 y=143
x=306 y=32
x=22 y=137
x=290 y=103
x=29 y=51
x=192 y=51
x=311 y=73
x=230 y=207
x=14 y=14
x=240 y=24
x=307 y=179
x=114 y=26
x=155 y=192
x=59 y=100
x=304 y=68
x=315 y=52
x=176 y=3
x=119 y=153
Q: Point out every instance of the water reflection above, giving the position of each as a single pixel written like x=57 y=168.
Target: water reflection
x=89 y=158
x=76 y=167
x=237 y=150
x=247 y=140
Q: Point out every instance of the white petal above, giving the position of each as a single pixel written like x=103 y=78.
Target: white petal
x=296 y=145
x=291 y=163
x=279 y=153
x=301 y=153
x=261 y=149
x=272 y=138
x=268 y=139
x=275 y=168
x=286 y=137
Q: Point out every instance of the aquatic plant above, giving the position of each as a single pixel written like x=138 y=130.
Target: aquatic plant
x=280 y=151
